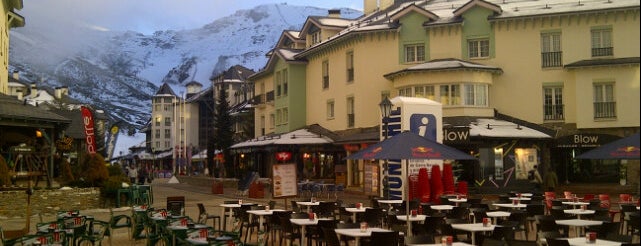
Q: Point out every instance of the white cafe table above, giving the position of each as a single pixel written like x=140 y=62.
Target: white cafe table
x=354 y=211
x=417 y=218
x=308 y=205
x=580 y=241
x=261 y=213
x=230 y=208
x=527 y=194
x=442 y=207
x=439 y=244
x=457 y=200
x=510 y=205
x=389 y=201
x=474 y=227
x=356 y=233
x=575 y=204
x=578 y=224
x=522 y=198
x=303 y=223
x=578 y=212
x=497 y=214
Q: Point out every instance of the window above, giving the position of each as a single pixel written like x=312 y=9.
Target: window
x=167 y=133
x=158 y=121
x=157 y=133
x=350 y=112
x=414 y=53
x=551 y=55
x=316 y=37
x=325 y=74
x=553 y=103
x=405 y=92
x=330 y=109
x=285 y=116
x=278 y=83
x=604 y=104
x=284 y=79
x=475 y=94
x=167 y=121
x=450 y=95
x=279 y=116
x=272 y=121
x=262 y=125
x=602 y=42
x=478 y=48
x=350 y=66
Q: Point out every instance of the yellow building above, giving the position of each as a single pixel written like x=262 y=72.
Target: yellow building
x=11 y=19
x=566 y=69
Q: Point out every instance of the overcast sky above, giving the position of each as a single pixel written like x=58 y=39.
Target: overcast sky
x=146 y=16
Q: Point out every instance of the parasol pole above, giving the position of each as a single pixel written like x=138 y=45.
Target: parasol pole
x=407 y=196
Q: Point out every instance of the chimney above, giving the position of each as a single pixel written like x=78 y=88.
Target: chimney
x=61 y=91
x=16 y=75
x=33 y=91
x=334 y=13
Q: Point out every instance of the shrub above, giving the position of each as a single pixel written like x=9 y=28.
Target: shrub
x=93 y=170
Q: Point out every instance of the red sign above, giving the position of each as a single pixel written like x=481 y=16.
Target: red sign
x=283 y=156
x=90 y=137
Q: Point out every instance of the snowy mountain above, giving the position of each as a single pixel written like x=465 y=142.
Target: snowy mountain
x=120 y=71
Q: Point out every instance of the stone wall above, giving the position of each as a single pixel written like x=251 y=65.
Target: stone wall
x=13 y=203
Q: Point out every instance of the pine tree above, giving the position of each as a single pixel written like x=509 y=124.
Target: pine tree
x=224 y=133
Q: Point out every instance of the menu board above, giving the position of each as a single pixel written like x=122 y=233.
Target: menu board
x=284 y=180
x=370 y=179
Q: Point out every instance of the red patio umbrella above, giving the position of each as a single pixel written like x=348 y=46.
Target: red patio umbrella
x=423 y=185
x=448 y=178
x=437 y=184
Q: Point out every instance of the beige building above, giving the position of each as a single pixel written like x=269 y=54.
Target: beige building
x=11 y=19
x=563 y=68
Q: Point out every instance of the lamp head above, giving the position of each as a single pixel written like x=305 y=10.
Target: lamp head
x=386 y=107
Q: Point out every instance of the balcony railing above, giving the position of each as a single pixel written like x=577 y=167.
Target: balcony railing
x=607 y=51
x=552 y=59
x=270 y=96
x=553 y=112
x=604 y=110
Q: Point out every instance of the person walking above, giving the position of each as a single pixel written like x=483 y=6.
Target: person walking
x=133 y=174
x=535 y=177
x=551 y=180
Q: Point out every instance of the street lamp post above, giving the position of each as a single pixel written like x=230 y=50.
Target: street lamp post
x=386 y=110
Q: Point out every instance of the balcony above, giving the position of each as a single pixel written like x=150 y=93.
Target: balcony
x=605 y=110
x=607 y=51
x=553 y=112
x=551 y=59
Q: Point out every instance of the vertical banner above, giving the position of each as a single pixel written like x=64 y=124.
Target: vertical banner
x=90 y=133
x=112 y=137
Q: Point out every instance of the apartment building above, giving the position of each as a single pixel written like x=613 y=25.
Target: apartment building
x=567 y=70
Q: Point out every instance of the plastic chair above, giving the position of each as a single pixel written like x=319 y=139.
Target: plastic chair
x=420 y=239
x=203 y=216
x=384 y=238
x=624 y=197
x=118 y=222
x=557 y=242
x=95 y=233
x=587 y=197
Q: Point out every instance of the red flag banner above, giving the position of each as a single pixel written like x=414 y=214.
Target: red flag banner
x=90 y=137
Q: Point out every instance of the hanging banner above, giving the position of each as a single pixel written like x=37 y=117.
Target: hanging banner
x=90 y=133
x=112 y=137
x=283 y=156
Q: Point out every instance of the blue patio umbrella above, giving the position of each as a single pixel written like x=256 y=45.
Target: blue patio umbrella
x=406 y=146
x=623 y=149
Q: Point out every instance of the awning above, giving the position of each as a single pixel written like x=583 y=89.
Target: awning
x=300 y=136
x=503 y=129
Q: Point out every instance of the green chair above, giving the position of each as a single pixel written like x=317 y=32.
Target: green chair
x=118 y=221
x=95 y=233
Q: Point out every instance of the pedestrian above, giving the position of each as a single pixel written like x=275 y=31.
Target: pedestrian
x=551 y=180
x=133 y=174
x=535 y=177
x=142 y=176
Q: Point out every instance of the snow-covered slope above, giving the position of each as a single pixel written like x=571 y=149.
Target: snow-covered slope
x=120 y=71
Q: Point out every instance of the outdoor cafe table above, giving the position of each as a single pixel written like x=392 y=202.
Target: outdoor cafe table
x=261 y=213
x=442 y=207
x=473 y=228
x=580 y=241
x=527 y=194
x=522 y=198
x=578 y=212
x=575 y=204
x=457 y=200
x=230 y=207
x=510 y=205
x=417 y=218
x=303 y=223
x=180 y=229
x=497 y=214
x=439 y=244
x=308 y=205
x=579 y=224
x=354 y=211
x=356 y=233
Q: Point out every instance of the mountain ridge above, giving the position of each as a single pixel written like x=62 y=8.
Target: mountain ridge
x=119 y=71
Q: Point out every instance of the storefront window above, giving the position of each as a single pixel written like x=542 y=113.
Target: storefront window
x=602 y=171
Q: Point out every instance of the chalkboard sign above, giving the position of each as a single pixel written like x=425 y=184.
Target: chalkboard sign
x=284 y=181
